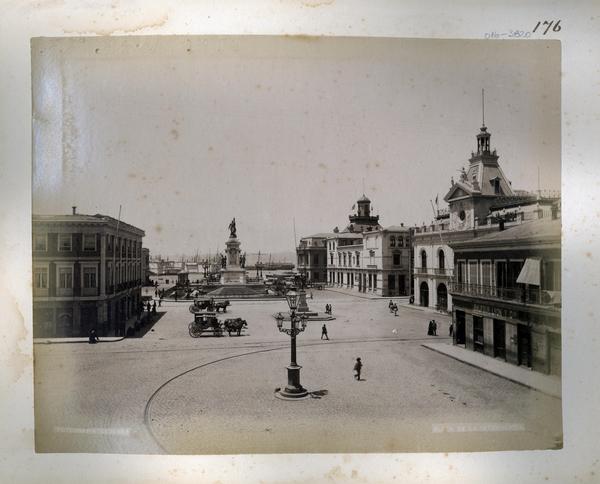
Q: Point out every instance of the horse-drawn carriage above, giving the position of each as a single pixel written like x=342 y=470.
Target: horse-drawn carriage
x=209 y=305
x=205 y=322
x=234 y=325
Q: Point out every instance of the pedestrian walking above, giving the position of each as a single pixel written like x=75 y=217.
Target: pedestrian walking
x=160 y=302
x=357 y=368
x=451 y=328
x=430 y=328
x=311 y=295
x=175 y=296
x=324 y=332
x=93 y=337
x=330 y=309
x=154 y=307
x=434 y=327
x=395 y=310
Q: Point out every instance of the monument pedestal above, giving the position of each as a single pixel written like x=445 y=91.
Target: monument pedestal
x=233 y=274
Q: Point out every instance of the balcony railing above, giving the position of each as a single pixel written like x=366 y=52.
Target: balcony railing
x=434 y=271
x=531 y=295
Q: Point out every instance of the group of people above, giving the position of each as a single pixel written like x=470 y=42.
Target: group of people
x=432 y=329
x=393 y=307
x=328 y=309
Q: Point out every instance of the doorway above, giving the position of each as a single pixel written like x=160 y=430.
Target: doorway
x=460 y=328
x=524 y=345
x=499 y=339
x=424 y=293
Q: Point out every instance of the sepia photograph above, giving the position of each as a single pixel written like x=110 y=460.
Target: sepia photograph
x=296 y=245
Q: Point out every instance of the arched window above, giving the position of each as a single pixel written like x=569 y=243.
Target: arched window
x=423 y=260
x=392 y=241
x=441 y=259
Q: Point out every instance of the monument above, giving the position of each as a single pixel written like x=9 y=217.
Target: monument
x=233 y=272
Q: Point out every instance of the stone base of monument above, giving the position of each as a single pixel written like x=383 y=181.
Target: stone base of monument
x=233 y=275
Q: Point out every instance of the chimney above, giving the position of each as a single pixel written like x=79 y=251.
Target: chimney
x=74 y=210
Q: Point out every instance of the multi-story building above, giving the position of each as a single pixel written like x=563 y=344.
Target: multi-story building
x=480 y=200
x=506 y=294
x=87 y=273
x=369 y=258
x=145 y=266
x=312 y=257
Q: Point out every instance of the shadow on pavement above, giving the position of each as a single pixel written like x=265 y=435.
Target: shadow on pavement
x=148 y=325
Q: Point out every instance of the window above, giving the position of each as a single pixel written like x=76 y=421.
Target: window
x=339 y=259
x=441 y=259
x=392 y=241
x=40 y=278
x=462 y=215
x=89 y=242
x=473 y=269
x=316 y=259
x=400 y=241
x=65 y=277
x=396 y=259
x=344 y=259
x=357 y=259
x=65 y=242
x=423 y=260
x=89 y=277
x=331 y=258
x=40 y=242
x=486 y=273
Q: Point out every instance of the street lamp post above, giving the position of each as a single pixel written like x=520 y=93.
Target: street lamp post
x=294 y=389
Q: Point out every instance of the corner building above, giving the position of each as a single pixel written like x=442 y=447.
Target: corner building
x=481 y=199
x=507 y=294
x=369 y=258
x=87 y=273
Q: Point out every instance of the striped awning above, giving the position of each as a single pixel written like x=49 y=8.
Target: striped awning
x=530 y=274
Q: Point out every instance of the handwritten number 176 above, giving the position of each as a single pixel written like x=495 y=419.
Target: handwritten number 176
x=549 y=24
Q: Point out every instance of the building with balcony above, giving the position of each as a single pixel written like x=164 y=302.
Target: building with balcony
x=478 y=203
x=312 y=258
x=87 y=273
x=369 y=258
x=506 y=294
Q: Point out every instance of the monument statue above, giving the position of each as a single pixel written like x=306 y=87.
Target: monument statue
x=232 y=231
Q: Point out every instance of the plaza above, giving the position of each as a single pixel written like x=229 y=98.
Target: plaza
x=168 y=393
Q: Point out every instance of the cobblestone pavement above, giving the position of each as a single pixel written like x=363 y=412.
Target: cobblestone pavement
x=169 y=393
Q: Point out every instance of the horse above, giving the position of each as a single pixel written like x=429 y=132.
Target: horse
x=236 y=324
x=222 y=305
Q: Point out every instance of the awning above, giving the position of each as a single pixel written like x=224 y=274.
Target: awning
x=530 y=274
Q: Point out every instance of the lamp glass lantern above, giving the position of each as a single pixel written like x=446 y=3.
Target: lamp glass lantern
x=292 y=300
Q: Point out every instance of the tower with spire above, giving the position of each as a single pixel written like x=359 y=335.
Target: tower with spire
x=479 y=186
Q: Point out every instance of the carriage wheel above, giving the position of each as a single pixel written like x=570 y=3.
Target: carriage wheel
x=194 y=330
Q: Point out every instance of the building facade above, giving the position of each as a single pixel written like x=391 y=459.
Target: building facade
x=506 y=294
x=312 y=258
x=369 y=258
x=87 y=273
x=481 y=199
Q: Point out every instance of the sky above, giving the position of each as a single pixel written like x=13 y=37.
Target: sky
x=282 y=133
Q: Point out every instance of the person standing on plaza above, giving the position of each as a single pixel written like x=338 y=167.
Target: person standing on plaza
x=154 y=307
x=430 y=328
x=148 y=306
x=357 y=369
x=93 y=337
x=434 y=327
x=451 y=328
x=324 y=332
x=160 y=301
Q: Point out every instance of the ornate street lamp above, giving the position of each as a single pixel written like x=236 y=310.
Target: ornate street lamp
x=294 y=389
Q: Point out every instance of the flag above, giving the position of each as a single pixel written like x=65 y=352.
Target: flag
x=436 y=199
